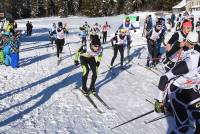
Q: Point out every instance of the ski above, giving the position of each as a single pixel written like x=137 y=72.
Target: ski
x=142 y=115
x=102 y=101
x=148 y=68
x=111 y=70
x=157 y=118
x=91 y=101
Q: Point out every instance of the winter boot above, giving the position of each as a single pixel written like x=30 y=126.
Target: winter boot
x=85 y=90
x=92 y=90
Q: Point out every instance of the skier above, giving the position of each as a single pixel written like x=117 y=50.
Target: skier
x=90 y=57
x=118 y=43
x=95 y=30
x=86 y=27
x=154 y=37
x=149 y=23
x=52 y=33
x=128 y=26
x=9 y=27
x=6 y=48
x=179 y=90
x=198 y=28
x=175 y=46
x=105 y=28
x=83 y=35
x=60 y=39
x=173 y=17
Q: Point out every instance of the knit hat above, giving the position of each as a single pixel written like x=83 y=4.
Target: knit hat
x=96 y=41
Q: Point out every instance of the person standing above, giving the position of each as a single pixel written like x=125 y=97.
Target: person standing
x=179 y=90
x=118 y=43
x=105 y=28
x=154 y=38
x=90 y=57
x=175 y=46
x=52 y=33
x=60 y=39
x=128 y=26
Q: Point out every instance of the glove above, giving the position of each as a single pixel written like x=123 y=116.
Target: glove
x=159 y=107
x=97 y=63
x=76 y=63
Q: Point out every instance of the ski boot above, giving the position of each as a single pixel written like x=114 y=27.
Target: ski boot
x=85 y=91
x=92 y=90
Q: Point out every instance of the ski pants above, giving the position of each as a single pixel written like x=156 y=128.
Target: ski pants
x=117 y=48
x=86 y=63
x=104 y=37
x=185 y=104
x=84 y=41
x=153 y=51
x=59 y=45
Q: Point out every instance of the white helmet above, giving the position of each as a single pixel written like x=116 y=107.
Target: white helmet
x=192 y=38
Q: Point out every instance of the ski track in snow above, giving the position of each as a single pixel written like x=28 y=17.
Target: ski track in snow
x=40 y=97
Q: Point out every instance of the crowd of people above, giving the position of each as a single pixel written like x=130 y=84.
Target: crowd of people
x=9 y=44
x=179 y=86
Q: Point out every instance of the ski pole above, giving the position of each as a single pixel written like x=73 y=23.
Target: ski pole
x=134 y=119
x=157 y=118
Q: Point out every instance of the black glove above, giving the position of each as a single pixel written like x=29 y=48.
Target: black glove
x=76 y=63
x=97 y=63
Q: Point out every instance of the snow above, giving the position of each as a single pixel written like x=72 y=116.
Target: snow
x=40 y=97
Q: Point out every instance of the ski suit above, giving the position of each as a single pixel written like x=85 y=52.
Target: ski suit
x=183 y=92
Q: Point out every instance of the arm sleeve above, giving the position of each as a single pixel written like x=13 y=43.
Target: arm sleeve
x=174 y=38
x=174 y=49
x=180 y=69
x=77 y=54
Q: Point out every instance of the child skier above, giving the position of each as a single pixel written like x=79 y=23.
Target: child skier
x=90 y=57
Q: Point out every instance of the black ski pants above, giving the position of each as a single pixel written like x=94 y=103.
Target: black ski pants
x=185 y=104
x=59 y=46
x=104 y=37
x=87 y=64
x=117 y=48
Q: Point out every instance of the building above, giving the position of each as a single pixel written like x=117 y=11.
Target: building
x=187 y=5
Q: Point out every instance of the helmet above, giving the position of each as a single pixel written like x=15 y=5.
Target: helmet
x=192 y=38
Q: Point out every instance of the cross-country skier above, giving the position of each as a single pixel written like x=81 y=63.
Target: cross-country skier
x=154 y=37
x=128 y=26
x=105 y=28
x=52 y=33
x=83 y=35
x=90 y=57
x=60 y=39
x=118 y=43
x=179 y=90
x=95 y=30
x=86 y=26
x=175 y=46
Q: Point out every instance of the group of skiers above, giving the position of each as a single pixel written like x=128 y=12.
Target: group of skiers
x=179 y=90
x=9 y=44
x=87 y=31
